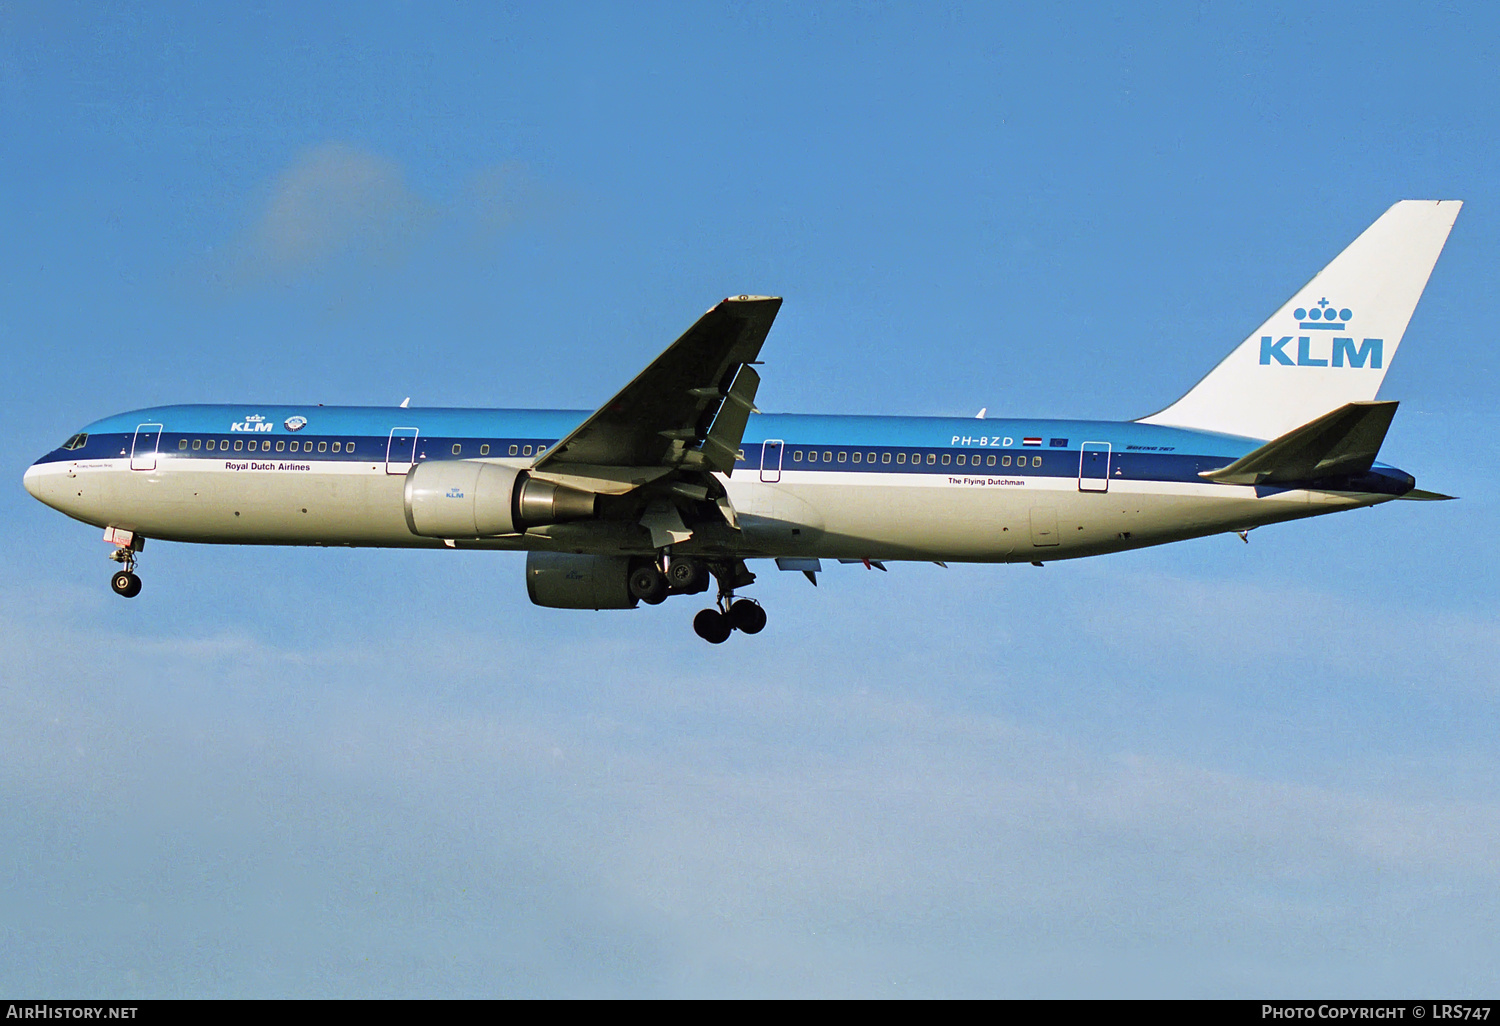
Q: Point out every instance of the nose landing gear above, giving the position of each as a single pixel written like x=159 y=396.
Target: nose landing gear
x=125 y=582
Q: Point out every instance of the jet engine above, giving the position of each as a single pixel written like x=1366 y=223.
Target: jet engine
x=562 y=580
x=471 y=499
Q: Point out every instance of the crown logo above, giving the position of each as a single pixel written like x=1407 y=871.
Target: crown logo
x=1323 y=317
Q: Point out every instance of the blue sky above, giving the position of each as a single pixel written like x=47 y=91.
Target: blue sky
x=1207 y=769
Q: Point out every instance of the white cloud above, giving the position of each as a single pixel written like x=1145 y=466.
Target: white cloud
x=334 y=197
x=338 y=207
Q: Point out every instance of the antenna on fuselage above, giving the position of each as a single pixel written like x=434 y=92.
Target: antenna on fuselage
x=406 y=402
x=980 y=414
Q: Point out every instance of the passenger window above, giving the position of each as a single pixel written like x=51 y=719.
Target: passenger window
x=900 y=457
x=337 y=446
x=962 y=459
x=931 y=458
x=265 y=446
x=1005 y=461
x=990 y=460
x=542 y=448
x=210 y=445
x=182 y=443
x=513 y=450
x=197 y=443
x=322 y=446
x=280 y=446
x=947 y=458
x=348 y=446
x=827 y=456
x=856 y=457
x=457 y=448
x=223 y=443
x=885 y=457
x=797 y=456
x=1036 y=461
x=484 y=450
x=843 y=456
x=525 y=450
x=239 y=443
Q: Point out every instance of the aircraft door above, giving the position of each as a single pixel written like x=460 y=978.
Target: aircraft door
x=401 y=450
x=1043 y=526
x=770 y=460
x=143 y=447
x=1093 y=467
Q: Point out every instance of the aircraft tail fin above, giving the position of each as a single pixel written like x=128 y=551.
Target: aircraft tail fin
x=1332 y=342
x=1345 y=441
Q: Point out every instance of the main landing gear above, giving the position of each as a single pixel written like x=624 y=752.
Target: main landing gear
x=652 y=581
x=125 y=582
x=715 y=625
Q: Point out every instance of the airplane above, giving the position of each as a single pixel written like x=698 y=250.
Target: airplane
x=679 y=479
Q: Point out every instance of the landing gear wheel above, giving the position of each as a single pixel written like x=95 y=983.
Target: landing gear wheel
x=648 y=584
x=746 y=616
x=126 y=584
x=687 y=576
x=712 y=626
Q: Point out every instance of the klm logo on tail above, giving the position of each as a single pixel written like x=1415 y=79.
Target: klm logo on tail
x=1323 y=317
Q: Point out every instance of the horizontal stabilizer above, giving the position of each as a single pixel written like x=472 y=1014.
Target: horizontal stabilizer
x=1418 y=495
x=1345 y=441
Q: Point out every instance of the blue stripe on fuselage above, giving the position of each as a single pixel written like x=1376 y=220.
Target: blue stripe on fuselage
x=1139 y=452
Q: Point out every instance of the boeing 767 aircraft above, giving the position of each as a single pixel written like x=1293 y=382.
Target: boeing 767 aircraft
x=679 y=479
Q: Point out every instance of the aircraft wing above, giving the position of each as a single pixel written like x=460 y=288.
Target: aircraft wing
x=686 y=411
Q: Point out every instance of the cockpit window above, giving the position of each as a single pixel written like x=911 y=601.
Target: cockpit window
x=76 y=442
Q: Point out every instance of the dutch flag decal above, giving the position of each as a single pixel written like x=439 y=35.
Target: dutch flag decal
x=1031 y=441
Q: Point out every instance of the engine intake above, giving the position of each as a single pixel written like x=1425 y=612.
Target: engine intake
x=562 y=580
x=472 y=499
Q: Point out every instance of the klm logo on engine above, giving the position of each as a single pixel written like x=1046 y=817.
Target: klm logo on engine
x=1312 y=351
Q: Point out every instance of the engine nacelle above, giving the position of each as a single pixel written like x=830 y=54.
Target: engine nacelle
x=563 y=580
x=473 y=499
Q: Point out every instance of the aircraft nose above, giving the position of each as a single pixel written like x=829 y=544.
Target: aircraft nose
x=33 y=481
x=45 y=485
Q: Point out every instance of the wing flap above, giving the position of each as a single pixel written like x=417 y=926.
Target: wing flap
x=721 y=447
x=1345 y=441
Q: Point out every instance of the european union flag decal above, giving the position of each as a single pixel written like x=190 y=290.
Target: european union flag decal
x=1059 y=443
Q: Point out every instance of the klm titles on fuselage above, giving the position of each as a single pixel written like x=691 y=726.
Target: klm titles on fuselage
x=254 y=423
x=1342 y=353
